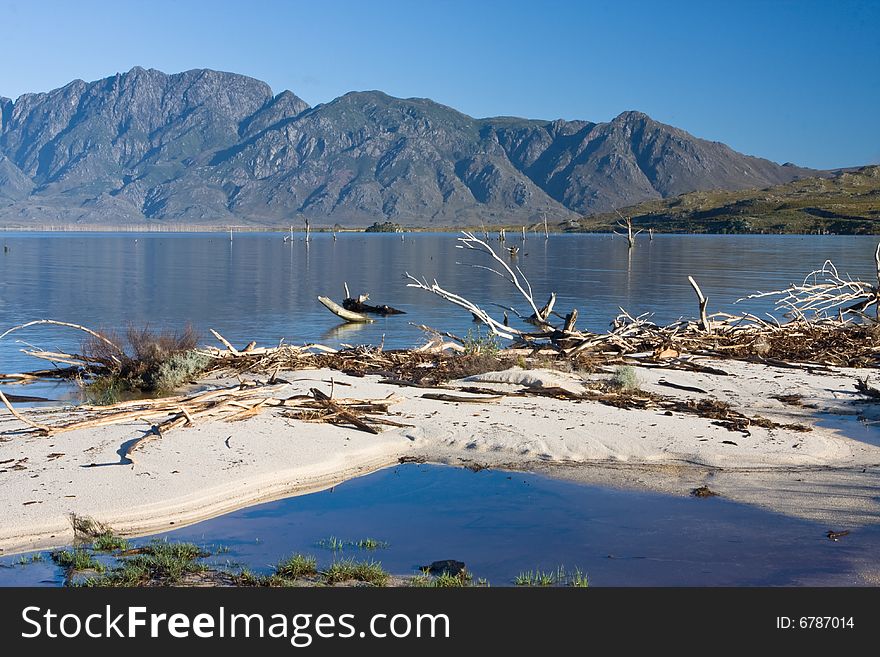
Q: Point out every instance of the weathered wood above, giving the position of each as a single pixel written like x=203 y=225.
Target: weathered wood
x=541 y=317
x=27 y=398
x=56 y=357
x=350 y=418
x=78 y=327
x=358 y=306
x=339 y=311
x=678 y=386
x=225 y=343
x=439 y=396
x=867 y=389
x=626 y=222
x=704 y=320
x=42 y=428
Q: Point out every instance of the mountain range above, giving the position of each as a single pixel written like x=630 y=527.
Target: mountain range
x=215 y=148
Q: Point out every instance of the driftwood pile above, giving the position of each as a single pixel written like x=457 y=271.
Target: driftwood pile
x=827 y=321
x=230 y=404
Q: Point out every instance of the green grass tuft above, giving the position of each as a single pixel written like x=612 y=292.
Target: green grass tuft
x=559 y=577
x=76 y=560
x=332 y=543
x=159 y=562
x=107 y=542
x=297 y=566
x=26 y=559
x=345 y=570
x=337 y=544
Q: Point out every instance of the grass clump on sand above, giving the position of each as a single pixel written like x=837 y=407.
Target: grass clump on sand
x=297 y=567
x=445 y=580
x=347 y=570
x=296 y=570
x=624 y=379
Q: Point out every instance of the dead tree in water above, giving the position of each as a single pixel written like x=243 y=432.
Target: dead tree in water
x=626 y=223
x=512 y=274
x=705 y=325
x=355 y=309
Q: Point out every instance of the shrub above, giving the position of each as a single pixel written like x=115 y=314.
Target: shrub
x=145 y=360
x=476 y=344
x=625 y=379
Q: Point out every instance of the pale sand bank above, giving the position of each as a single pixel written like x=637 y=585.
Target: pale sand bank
x=214 y=467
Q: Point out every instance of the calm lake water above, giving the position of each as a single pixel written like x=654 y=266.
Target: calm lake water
x=257 y=287
x=503 y=523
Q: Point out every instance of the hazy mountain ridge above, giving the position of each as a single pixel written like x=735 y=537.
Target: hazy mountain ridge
x=210 y=147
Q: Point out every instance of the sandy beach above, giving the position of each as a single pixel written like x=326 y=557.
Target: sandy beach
x=204 y=470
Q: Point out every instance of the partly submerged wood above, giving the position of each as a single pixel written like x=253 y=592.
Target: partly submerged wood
x=339 y=311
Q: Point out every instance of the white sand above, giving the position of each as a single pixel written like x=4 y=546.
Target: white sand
x=192 y=473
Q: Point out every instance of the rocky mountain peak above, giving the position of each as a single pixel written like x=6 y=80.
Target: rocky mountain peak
x=211 y=146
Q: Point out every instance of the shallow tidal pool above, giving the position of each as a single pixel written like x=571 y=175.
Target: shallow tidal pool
x=504 y=523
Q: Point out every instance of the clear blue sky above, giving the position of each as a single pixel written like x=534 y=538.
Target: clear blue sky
x=791 y=81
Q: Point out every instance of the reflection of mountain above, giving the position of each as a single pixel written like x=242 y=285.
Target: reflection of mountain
x=210 y=147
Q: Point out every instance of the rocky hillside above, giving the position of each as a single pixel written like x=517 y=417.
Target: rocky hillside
x=218 y=148
x=846 y=203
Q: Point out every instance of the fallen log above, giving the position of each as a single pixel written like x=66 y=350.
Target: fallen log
x=26 y=398
x=339 y=311
x=439 y=396
x=678 y=386
x=41 y=428
x=341 y=413
x=358 y=306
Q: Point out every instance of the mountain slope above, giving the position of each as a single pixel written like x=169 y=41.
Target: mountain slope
x=210 y=147
x=847 y=203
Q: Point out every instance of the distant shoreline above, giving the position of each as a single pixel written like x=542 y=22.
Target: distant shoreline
x=513 y=232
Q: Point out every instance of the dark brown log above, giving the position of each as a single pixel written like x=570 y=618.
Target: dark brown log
x=439 y=396
x=358 y=306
